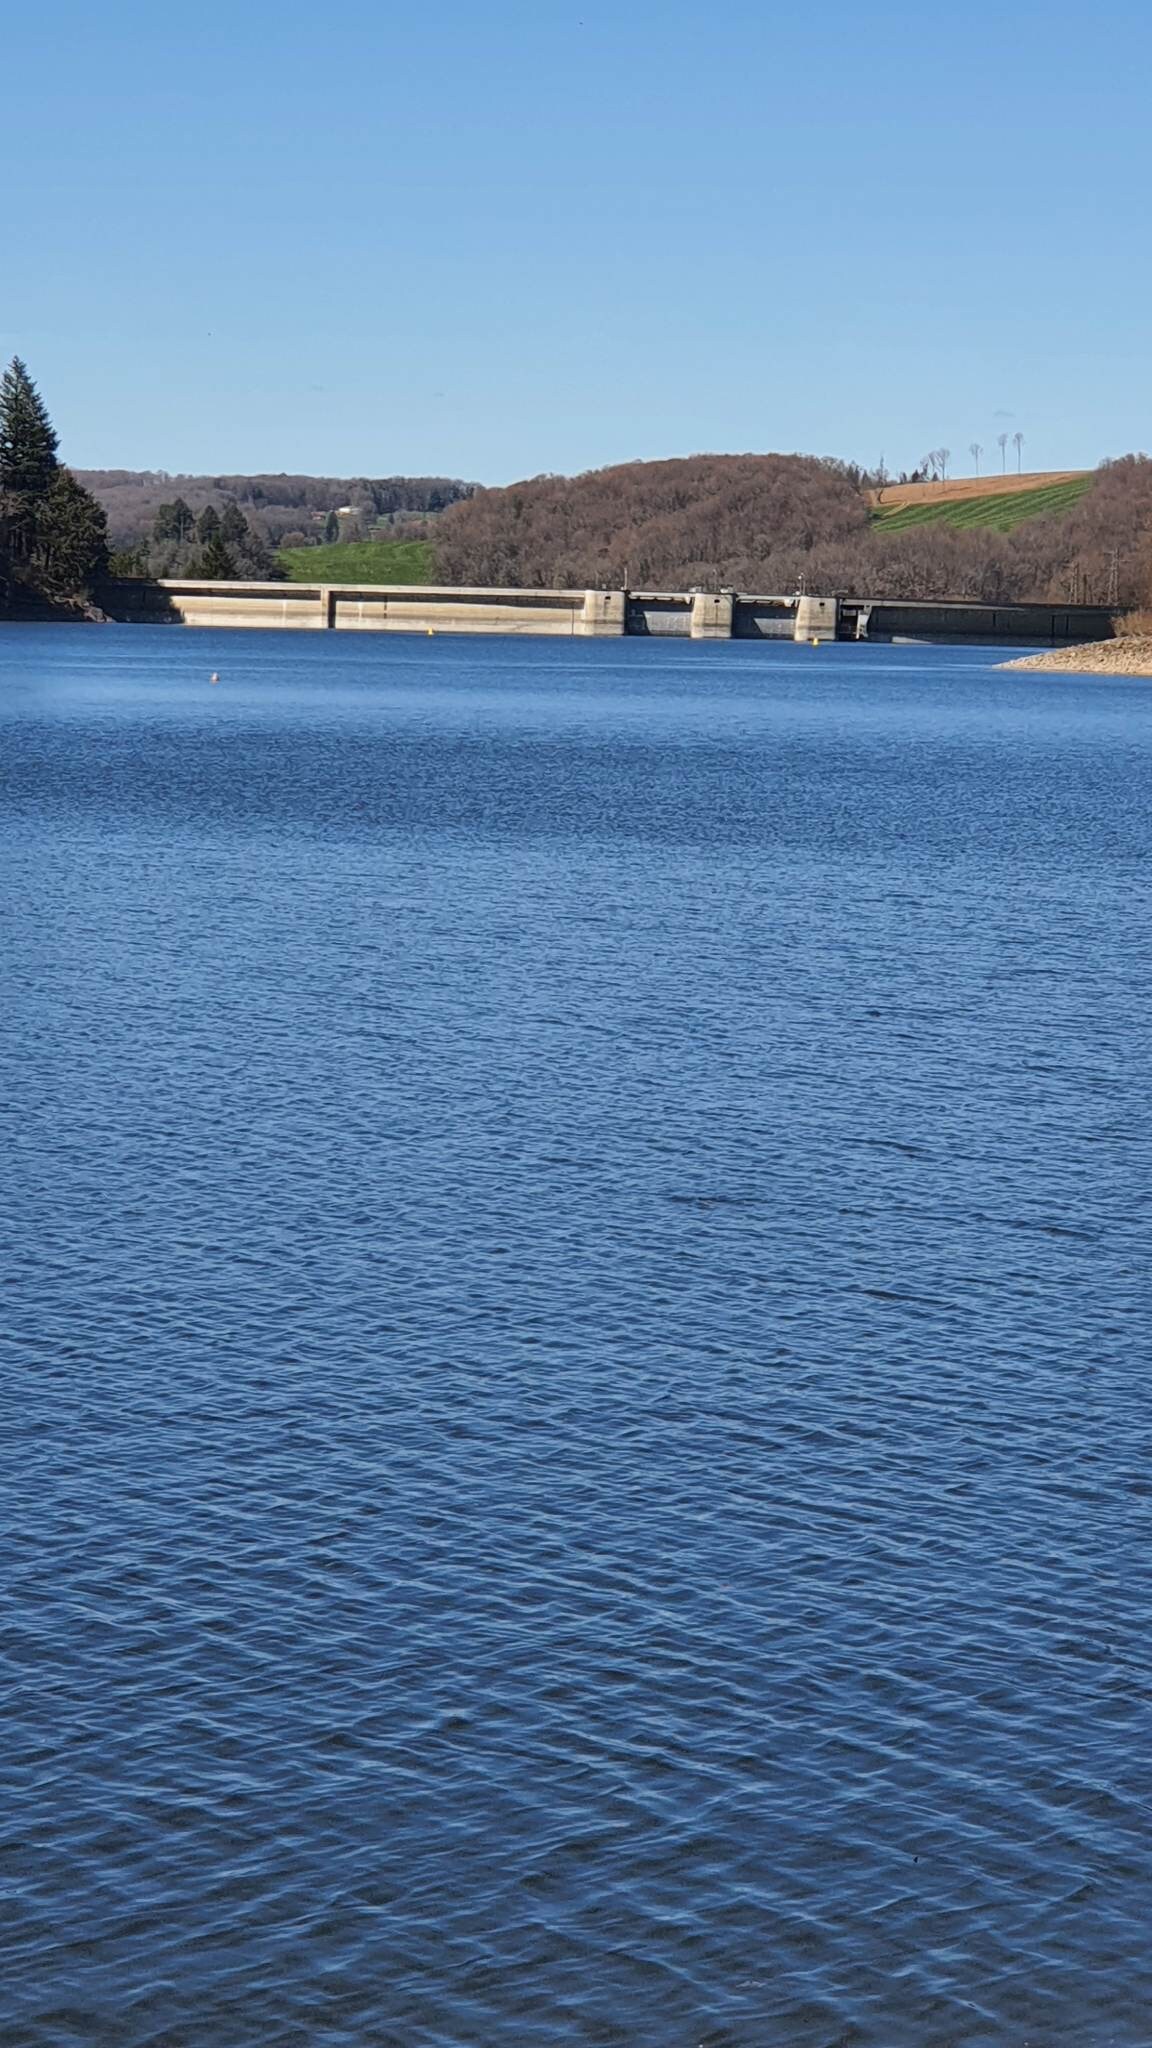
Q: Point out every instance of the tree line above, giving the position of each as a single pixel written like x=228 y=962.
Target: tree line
x=53 y=533
x=214 y=543
x=285 y=511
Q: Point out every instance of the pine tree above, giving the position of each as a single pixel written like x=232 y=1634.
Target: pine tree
x=27 y=458
x=215 y=561
x=56 y=533
x=174 y=521
x=208 y=524
x=255 y=561
x=129 y=562
x=27 y=438
x=233 y=526
x=331 y=528
x=70 y=548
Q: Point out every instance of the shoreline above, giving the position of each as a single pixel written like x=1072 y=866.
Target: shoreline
x=1131 y=657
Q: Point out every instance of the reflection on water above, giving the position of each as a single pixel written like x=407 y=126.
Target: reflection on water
x=575 y=1339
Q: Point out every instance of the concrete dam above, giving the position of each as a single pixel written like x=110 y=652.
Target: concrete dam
x=596 y=614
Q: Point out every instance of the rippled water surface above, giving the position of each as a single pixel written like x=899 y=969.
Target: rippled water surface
x=576 y=1461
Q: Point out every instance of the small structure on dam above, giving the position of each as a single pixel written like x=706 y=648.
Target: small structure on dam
x=597 y=614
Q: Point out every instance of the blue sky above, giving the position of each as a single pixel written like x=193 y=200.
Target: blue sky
x=490 y=241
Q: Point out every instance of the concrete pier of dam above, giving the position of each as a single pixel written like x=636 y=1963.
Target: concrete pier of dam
x=597 y=614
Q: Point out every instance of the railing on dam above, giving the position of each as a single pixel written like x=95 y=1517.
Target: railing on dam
x=595 y=614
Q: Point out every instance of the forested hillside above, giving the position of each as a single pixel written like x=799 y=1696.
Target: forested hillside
x=282 y=511
x=706 y=519
x=768 y=522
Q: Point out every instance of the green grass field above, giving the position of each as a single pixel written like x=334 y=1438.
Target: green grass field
x=360 y=561
x=1001 y=512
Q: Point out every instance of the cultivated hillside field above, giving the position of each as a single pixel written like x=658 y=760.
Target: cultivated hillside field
x=998 y=504
x=894 y=497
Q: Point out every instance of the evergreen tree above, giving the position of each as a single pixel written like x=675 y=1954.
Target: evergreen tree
x=331 y=528
x=255 y=560
x=70 y=549
x=233 y=525
x=174 y=521
x=27 y=458
x=208 y=524
x=56 y=534
x=129 y=561
x=215 y=561
x=27 y=438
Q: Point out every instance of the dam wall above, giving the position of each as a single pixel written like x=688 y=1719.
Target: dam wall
x=371 y=608
x=596 y=614
x=995 y=625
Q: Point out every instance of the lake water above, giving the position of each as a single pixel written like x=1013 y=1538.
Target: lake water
x=577 y=1462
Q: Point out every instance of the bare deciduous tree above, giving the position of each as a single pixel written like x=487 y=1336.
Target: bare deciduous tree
x=763 y=523
x=1018 y=443
x=1002 y=444
x=975 y=451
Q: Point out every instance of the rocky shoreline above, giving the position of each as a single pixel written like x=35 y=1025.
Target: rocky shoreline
x=1129 y=656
